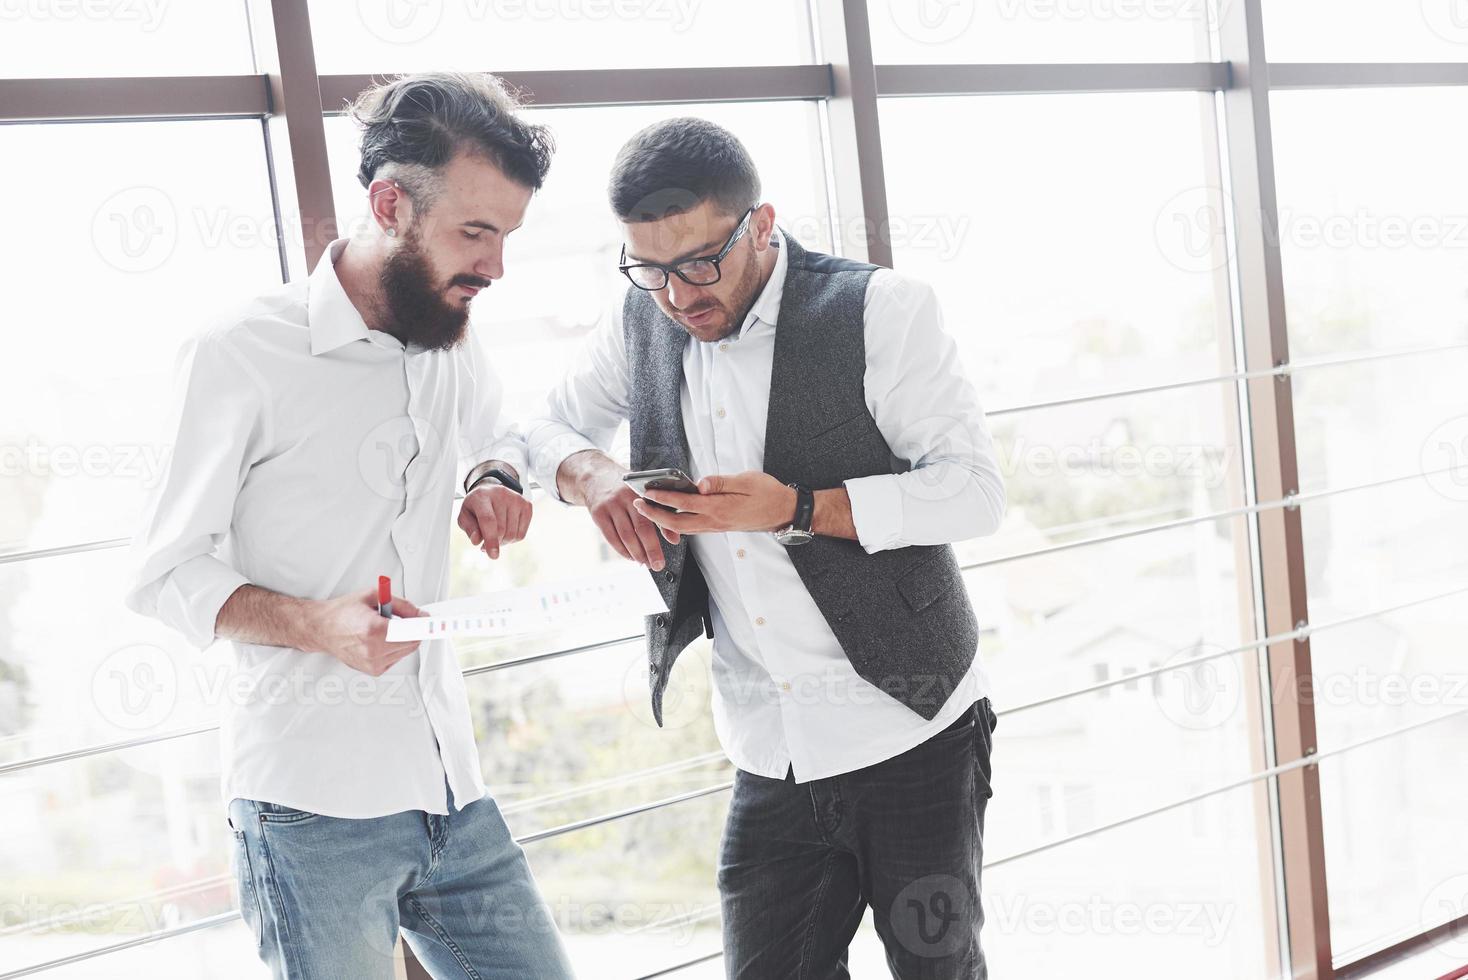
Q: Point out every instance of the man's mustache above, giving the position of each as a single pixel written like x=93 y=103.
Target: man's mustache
x=474 y=282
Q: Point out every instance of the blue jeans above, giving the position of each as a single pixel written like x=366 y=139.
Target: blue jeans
x=325 y=897
x=800 y=863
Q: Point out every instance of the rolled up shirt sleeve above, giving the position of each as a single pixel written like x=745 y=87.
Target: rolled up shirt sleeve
x=219 y=425
x=584 y=410
x=928 y=410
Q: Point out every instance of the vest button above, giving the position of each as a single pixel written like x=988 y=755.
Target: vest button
x=661 y=622
x=668 y=575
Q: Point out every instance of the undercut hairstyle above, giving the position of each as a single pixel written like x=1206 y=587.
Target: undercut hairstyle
x=674 y=166
x=414 y=125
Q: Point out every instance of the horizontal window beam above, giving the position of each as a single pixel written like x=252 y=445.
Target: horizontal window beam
x=1365 y=75
x=632 y=86
x=75 y=99
x=242 y=96
x=939 y=80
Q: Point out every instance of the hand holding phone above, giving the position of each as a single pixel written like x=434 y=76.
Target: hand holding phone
x=670 y=479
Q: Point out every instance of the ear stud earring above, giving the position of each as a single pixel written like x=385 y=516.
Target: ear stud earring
x=392 y=233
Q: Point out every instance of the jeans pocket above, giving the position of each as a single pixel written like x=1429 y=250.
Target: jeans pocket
x=279 y=813
x=244 y=875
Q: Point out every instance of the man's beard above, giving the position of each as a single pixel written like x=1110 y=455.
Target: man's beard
x=740 y=303
x=416 y=309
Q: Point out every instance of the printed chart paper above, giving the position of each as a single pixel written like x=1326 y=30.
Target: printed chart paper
x=535 y=608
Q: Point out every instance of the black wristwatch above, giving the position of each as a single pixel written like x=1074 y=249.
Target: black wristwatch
x=799 y=531
x=503 y=477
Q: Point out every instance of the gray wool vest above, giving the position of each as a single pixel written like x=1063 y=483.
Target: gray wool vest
x=902 y=616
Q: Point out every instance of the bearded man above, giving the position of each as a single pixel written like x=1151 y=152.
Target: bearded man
x=320 y=437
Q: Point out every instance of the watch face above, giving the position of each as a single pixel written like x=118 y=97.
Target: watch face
x=792 y=536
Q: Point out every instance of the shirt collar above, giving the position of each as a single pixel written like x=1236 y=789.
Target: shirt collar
x=766 y=308
x=330 y=315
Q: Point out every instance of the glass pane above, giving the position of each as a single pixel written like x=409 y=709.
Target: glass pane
x=1373 y=218
x=222 y=952
x=626 y=909
x=1394 y=846
x=1077 y=253
x=377 y=36
x=1075 y=472
x=1180 y=894
x=104 y=849
x=107 y=38
x=1020 y=31
x=1377 y=419
x=129 y=238
x=1365 y=30
x=532 y=324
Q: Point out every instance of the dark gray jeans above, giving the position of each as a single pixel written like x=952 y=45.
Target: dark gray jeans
x=800 y=863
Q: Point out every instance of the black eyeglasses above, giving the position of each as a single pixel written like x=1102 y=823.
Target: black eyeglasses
x=702 y=271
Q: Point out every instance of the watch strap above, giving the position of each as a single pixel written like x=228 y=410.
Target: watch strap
x=497 y=474
x=805 y=508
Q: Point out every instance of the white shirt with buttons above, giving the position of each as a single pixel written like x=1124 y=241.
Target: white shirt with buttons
x=311 y=455
x=785 y=696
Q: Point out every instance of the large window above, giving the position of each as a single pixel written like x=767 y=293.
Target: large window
x=1173 y=748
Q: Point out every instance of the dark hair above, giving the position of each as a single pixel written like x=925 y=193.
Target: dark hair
x=415 y=124
x=675 y=165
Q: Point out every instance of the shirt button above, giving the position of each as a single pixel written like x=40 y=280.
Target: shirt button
x=724 y=345
x=740 y=552
x=759 y=621
x=785 y=686
x=720 y=413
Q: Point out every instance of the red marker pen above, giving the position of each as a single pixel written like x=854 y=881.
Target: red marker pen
x=384 y=596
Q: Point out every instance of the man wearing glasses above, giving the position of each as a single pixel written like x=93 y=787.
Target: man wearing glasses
x=838 y=450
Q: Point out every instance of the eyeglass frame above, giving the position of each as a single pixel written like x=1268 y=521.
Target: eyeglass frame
x=671 y=270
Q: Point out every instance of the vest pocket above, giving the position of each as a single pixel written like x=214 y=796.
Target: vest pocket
x=840 y=435
x=928 y=581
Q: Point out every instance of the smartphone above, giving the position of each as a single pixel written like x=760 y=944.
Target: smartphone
x=674 y=480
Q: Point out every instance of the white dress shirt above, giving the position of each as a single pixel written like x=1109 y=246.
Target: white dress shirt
x=310 y=456
x=785 y=694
